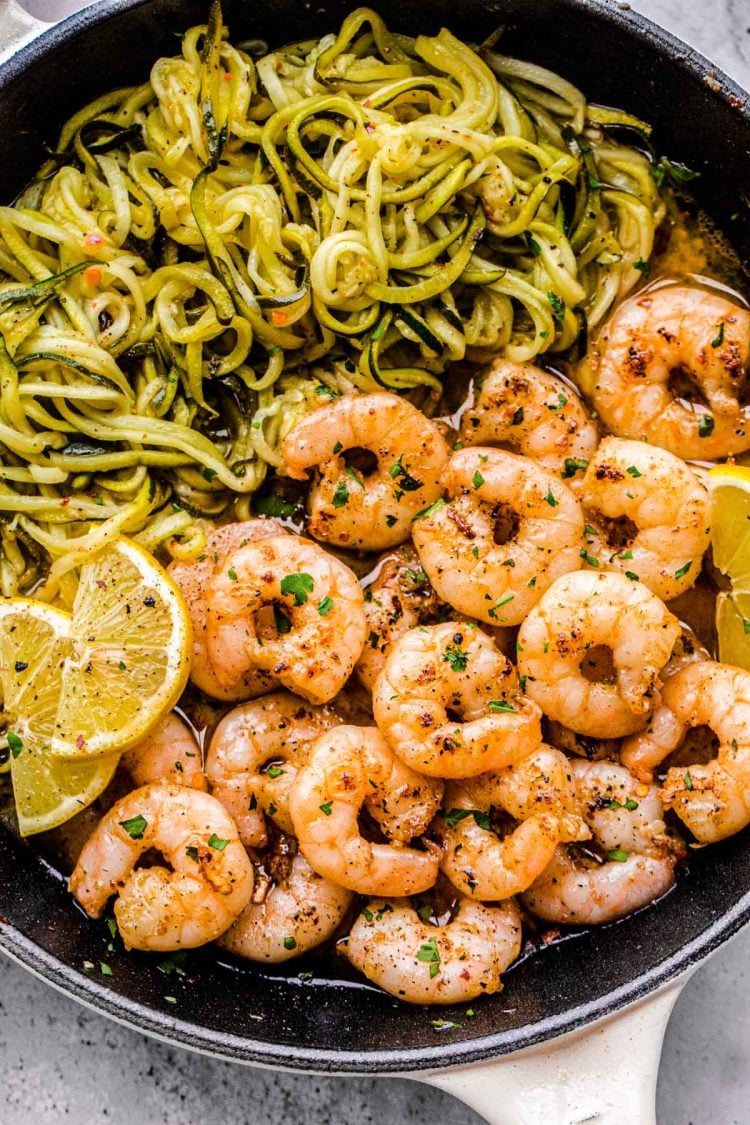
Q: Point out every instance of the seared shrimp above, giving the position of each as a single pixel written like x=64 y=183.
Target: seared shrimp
x=641 y=753
x=630 y=482
x=538 y=793
x=449 y=704
x=239 y=681
x=207 y=888
x=584 y=617
x=425 y=963
x=169 y=753
x=652 y=337
x=317 y=609
x=354 y=507
x=524 y=409
x=350 y=767
x=713 y=800
x=509 y=529
x=255 y=754
x=637 y=859
x=300 y=911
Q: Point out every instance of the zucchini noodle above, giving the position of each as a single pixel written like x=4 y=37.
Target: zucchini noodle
x=208 y=256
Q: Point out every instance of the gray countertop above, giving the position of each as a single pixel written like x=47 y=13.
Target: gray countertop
x=60 y=1062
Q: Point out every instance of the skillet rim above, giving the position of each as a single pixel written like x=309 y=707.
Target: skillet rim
x=76 y=984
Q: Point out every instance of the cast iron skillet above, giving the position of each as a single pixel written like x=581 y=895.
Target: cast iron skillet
x=277 y=1018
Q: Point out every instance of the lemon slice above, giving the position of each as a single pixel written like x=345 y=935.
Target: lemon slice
x=130 y=646
x=34 y=643
x=730 y=531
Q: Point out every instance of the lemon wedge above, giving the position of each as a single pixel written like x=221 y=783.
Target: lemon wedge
x=730 y=531
x=34 y=643
x=130 y=644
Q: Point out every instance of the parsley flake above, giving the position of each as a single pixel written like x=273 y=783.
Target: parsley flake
x=135 y=826
x=15 y=744
x=501 y=706
x=326 y=808
x=297 y=586
x=457 y=657
x=617 y=855
x=217 y=843
x=429 y=953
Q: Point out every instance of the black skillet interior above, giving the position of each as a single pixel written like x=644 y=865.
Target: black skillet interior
x=309 y=1021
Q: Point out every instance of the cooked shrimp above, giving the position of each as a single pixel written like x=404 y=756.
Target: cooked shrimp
x=350 y=767
x=537 y=792
x=570 y=742
x=449 y=704
x=399 y=598
x=668 y=507
x=299 y=912
x=355 y=507
x=641 y=753
x=627 y=822
x=208 y=886
x=713 y=800
x=169 y=753
x=524 y=409
x=255 y=754
x=508 y=531
x=652 y=337
x=317 y=607
x=585 y=616
x=426 y=963
x=240 y=681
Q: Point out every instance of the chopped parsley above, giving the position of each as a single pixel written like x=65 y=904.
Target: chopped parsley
x=688 y=781
x=630 y=805
x=281 y=621
x=192 y=853
x=274 y=772
x=587 y=558
x=632 y=576
x=135 y=826
x=405 y=480
x=216 y=842
x=326 y=807
x=341 y=495
x=718 y=339
x=15 y=744
x=517 y=417
x=551 y=500
x=208 y=474
x=326 y=392
x=643 y=266
x=633 y=472
x=557 y=305
x=672 y=172
x=457 y=657
x=429 y=953
x=477 y=480
x=501 y=705
x=705 y=425
x=297 y=586
x=683 y=570
x=232 y=573
x=355 y=477
x=325 y=605
x=290 y=943
x=572 y=465
x=532 y=244
x=617 y=855
x=428 y=511
x=443 y=1025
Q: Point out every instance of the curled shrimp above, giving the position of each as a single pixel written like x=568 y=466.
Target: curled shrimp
x=509 y=529
x=449 y=704
x=527 y=410
x=449 y=961
x=350 y=767
x=669 y=509
x=314 y=602
x=360 y=508
x=208 y=886
x=170 y=753
x=208 y=672
x=641 y=753
x=255 y=754
x=298 y=912
x=585 y=617
x=712 y=800
x=636 y=857
x=539 y=794
x=650 y=338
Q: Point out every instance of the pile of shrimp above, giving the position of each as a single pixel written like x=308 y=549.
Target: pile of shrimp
x=491 y=735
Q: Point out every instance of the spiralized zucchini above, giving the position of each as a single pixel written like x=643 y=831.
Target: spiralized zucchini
x=208 y=256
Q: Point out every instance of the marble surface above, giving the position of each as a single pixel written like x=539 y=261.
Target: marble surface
x=60 y=1062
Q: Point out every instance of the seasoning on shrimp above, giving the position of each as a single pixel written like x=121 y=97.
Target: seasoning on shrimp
x=586 y=616
x=450 y=705
x=651 y=516
x=350 y=767
x=527 y=410
x=539 y=795
x=509 y=529
x=370 y=507
x=315 y=625
x=649 y=340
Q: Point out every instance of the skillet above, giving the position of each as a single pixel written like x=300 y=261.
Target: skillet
x=326 y=1019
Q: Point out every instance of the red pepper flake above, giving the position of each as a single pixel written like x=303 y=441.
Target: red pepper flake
x=279 y=318
x=370 y=128
x=80 y=742
x=227 y=76
x=93 y=239
x=101 y=584
x=92 y=275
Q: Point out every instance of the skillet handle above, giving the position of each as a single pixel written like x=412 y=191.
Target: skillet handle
x=17 y=28
x=604 y=1074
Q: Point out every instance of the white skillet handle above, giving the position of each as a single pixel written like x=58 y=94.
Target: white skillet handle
x=605 y=1074
x=17 y=28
